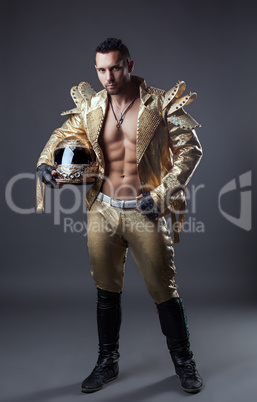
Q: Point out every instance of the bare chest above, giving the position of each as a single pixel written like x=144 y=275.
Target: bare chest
x=123 y=135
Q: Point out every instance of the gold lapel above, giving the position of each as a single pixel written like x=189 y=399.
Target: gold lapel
x=95 y=119
x=148 y=122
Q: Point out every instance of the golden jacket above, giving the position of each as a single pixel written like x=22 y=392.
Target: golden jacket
x=168 y=149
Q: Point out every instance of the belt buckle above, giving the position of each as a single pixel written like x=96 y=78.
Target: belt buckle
x=115 y=203
x=119 y=204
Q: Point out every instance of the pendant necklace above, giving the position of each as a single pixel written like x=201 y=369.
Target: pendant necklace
x=122 y=114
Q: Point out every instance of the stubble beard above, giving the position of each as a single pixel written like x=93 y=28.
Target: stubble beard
x=115 y=91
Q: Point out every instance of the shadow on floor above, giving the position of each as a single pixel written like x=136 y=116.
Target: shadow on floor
x=170 y=384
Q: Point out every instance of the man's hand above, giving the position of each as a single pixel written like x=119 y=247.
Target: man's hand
x=147 y=206
x=46 y=173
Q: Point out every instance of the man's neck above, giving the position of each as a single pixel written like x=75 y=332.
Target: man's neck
x=127 y=95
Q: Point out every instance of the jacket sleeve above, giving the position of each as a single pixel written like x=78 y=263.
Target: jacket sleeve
x=185 y=151
x=81 y=96
x=72 y=126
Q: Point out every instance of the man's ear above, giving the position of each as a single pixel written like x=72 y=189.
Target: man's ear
x=131 y=66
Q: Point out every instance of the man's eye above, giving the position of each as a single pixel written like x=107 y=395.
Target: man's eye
x=101 y=70
x=116 y=68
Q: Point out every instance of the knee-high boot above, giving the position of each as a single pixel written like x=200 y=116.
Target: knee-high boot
x=174 y=327
x=108 y=323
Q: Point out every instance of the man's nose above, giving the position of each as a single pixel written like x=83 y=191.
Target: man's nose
x=109 y=75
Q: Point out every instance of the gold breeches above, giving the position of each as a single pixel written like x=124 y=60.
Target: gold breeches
x=111 y=231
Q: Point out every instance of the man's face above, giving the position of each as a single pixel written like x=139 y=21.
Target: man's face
x=113 y=73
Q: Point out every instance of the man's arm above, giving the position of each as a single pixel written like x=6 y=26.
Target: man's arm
x=184 y=146
x=187 y=153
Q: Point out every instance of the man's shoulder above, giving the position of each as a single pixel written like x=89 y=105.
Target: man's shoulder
x=83 y=96
x=173 y=101
x=166 y=95
x=175 y=91
x=82 y=92
x=156 y=91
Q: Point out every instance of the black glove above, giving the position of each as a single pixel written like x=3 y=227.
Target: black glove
x=44 y=172
x=148 y=207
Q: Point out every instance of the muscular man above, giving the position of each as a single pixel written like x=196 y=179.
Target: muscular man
x=147 y=150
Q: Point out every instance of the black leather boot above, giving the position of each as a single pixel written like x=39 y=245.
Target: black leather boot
x=174 y=327
x=108 y=322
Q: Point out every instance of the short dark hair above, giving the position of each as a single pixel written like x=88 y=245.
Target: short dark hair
x=113 y=44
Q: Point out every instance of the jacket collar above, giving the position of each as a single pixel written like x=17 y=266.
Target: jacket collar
x=143 y=89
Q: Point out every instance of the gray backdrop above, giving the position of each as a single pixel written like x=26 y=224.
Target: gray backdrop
x=47 y=295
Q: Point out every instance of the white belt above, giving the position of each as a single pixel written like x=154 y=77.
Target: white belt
x=116 y=203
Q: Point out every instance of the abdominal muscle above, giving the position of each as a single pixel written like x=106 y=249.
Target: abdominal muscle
x=121 y=177
x=119 y=148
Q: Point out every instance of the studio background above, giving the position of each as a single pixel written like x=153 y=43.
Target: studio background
x=48 y=324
